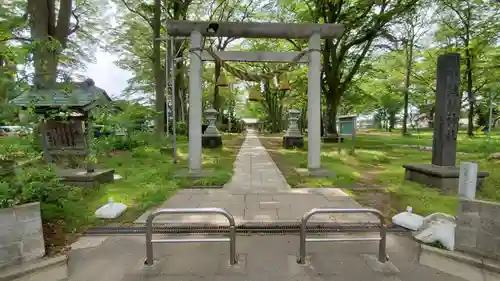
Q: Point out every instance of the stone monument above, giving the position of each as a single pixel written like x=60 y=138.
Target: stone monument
x=443 y=173
x=293 y=138
x=211 y=137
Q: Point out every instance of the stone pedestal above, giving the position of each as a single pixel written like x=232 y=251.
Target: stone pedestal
x=443 y=177
x=82 y=178
x=211 y=137
x=293 y=138
x=290 y=142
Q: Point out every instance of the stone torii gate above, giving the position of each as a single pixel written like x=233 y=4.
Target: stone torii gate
x=196 y=30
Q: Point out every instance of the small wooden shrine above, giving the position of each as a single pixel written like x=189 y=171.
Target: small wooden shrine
x=66 y=128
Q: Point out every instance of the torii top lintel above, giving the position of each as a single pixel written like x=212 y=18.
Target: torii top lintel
x=254 y=29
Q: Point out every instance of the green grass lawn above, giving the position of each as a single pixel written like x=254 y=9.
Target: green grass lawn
x=378 y=162
x=148 y=175
x=147 y=181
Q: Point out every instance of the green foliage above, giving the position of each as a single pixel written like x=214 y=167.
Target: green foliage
x=114 y=143
x=36 y=184
x=10 y=152
x=181 y=128
x=17 y=148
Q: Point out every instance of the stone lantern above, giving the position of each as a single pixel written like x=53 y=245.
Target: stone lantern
x=211 y=137
x=293 y=137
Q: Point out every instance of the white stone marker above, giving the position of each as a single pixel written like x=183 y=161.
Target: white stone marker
x=467 y=180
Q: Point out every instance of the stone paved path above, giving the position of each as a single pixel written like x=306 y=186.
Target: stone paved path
x=258 y=193
x=255 y=171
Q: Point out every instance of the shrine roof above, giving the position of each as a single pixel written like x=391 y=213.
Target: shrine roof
x=83 y=96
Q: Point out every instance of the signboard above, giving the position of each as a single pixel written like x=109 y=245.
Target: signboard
x=346 y=128
x=347 y=125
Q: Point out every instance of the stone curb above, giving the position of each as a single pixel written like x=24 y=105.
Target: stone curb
x=17 y=271
x=480 y=263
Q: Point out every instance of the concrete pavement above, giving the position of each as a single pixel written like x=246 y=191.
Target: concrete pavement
x=261 y=258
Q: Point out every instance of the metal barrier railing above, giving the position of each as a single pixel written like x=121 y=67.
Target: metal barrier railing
x=382 y=256
x=231 y=239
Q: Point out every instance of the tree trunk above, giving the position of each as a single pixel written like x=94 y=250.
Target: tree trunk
x=159 y=75
x=392 y=121
x=216 y=99
x=217 y=71
x=51 y=38
x=45 y=62
x=332 y=102
x=322 y=125
x=409 y=64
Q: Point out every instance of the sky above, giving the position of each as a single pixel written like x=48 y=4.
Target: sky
x=104 y=72
x=107 y=75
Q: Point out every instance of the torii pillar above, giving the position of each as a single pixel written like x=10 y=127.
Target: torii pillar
x=195 y=102
x=198 y=29
x=314 y=104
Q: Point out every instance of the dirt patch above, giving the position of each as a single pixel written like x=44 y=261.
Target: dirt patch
x=379 y=199
x=56 y=240
x=369 y=177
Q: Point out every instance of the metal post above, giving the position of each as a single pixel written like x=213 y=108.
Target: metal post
x=232 y=245
x=174 y=117
x=302 y=244
x=168 y=60
x=172 y=77
x=382 y=248
x=149 y=238
x=354 y=129
x=382 y=256
x=231 y=239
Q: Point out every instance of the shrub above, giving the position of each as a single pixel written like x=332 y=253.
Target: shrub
x=36 y=184
x=181 y=128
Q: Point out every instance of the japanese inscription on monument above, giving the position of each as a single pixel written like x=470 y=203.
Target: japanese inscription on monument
x=447 y=110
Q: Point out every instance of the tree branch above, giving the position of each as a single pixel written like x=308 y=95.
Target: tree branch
x=479 y=87
x=15 y=38
x=77 y=24
x=356 y=66
x=63 y=19
x=215 y=10
x=295 y=45
x=457 y=12
x=148 y=21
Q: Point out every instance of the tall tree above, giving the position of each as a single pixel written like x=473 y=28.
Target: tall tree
x=52 y=25
x=410 y=31
x=140 y=24
x=158 y=70
x=226 y=10
x=13 y=47
x=469 y=26
x=364 y=22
